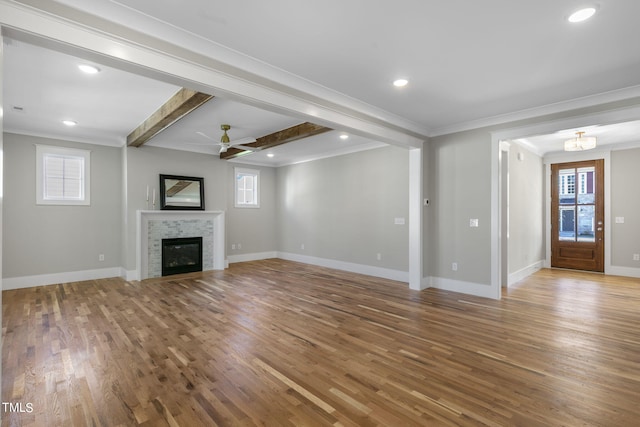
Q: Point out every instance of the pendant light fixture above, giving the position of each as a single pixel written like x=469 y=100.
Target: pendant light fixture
x=580 y=142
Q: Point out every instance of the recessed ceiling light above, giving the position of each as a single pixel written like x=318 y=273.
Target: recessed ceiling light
x=582 y=14
x=89 y=69
x=400 y=82
x=270 y=155
x=344 y=136
x=69 y=122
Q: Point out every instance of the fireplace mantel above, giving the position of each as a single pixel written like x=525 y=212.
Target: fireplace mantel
x=144 y=217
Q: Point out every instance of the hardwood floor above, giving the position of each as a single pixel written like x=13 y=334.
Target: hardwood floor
x=280 y=343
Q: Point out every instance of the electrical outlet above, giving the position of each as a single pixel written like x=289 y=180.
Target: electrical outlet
x=379 y=257
x=239 y=246
x=302 y=246
x=636 y=257
x=454 y=266
x=101 y=257
x=233 y=247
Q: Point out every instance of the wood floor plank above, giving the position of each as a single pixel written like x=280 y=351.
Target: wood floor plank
x=280 y=343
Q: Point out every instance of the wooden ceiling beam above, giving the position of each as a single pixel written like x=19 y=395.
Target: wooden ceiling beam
x=284 y=136
x=178 y=187
x=179 y=105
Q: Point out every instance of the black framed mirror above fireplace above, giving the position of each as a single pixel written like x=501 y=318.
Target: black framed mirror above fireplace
x=181 y=255
x=181 y=193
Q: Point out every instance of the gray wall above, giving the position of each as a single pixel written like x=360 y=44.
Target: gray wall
x=58 y=239
x=458 y=182
x=254 y=229
x=343 y=208
x=526 y=209
x=1 y=178
x=625 y=202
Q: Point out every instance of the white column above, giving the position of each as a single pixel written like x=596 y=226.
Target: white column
x=415 y=219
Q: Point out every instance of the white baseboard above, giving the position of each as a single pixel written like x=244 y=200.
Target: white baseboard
x=130 y=275
x=524 y=272
x=251 y=257
x=477 y=289
x=623 y=271
x=385 y=273
x=471 y=288
x=55 y=278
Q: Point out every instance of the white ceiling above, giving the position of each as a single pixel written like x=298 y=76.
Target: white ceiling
x=49 y=88
x=468 y=64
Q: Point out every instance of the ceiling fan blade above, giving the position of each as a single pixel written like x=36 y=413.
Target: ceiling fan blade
x=246 y=148
x=242 y=141
x=225 y=146
x=204 y=135
x=209 y=140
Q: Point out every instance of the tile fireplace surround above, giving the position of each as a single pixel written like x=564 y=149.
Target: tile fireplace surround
x=153 y=226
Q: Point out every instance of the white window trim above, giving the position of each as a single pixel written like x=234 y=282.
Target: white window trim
x=41 y=151
x=255 y=172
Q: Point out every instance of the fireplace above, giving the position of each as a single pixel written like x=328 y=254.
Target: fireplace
x=181 y=255
x=153 y=226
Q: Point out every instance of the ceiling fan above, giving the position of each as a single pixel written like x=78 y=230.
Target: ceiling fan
x=226 y=143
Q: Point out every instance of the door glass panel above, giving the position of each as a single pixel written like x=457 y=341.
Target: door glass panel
x=567 y=186
x=567 y=224
x=586 y=223
x=586 y=187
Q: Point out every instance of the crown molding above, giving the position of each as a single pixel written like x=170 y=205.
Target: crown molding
x=558 y=107
x=107 y=142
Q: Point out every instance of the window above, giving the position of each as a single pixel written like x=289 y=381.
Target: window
x=567 y=183
x=62 y=176
x=583 y=183
x=247 y=188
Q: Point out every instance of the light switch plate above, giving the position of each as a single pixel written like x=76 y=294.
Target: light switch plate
x=473 y=222
x=619 y=220
x=399 y=221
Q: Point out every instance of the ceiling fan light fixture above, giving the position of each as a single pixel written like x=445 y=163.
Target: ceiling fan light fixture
x=580 y=143
x=225 y=138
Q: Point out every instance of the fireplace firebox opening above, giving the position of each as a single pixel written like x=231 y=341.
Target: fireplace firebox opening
x=181 y=255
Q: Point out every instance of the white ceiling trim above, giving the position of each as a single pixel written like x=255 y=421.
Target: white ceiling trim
x=573 y=104
x=618 y=115
x=109 y=142
x=201 y=72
